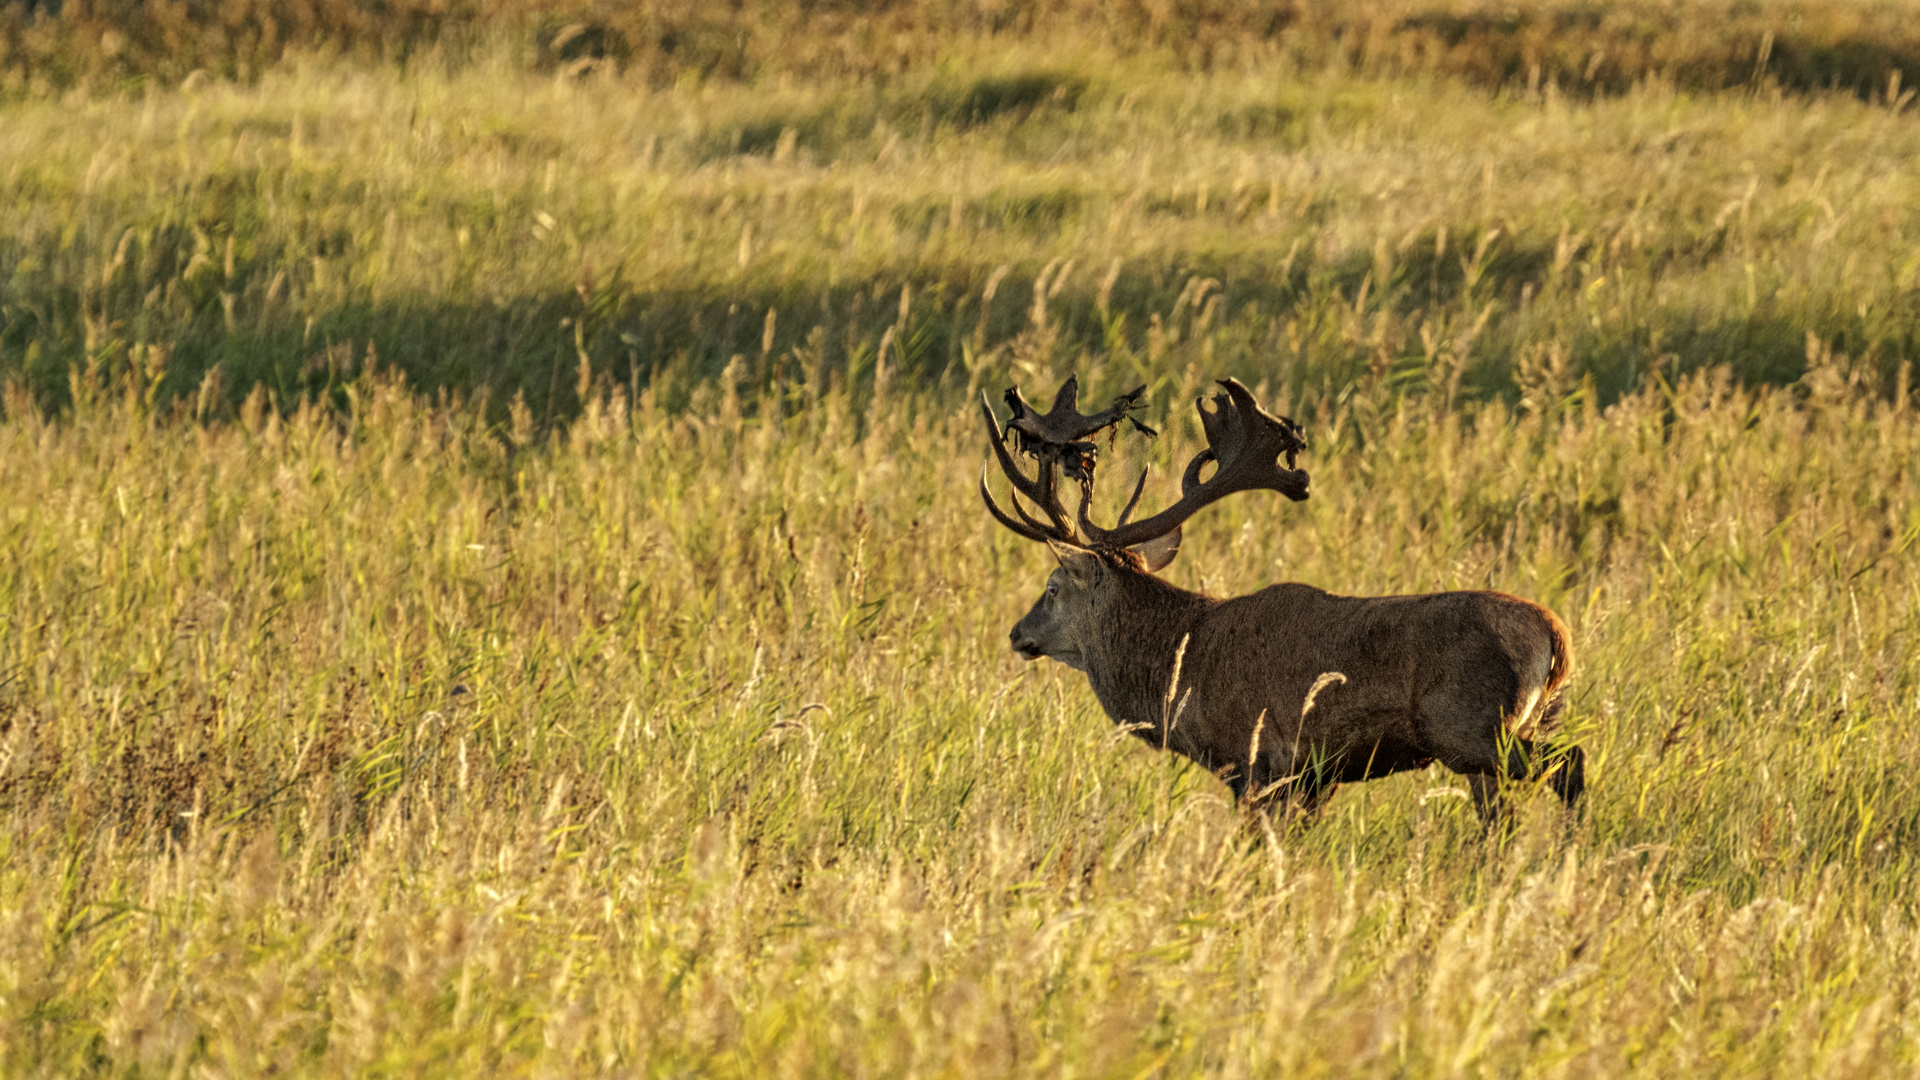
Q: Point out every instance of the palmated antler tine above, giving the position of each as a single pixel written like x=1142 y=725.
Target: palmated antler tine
x=1246 y=442
x=1063 y=424
x=1190 y=480
x=1042 y=492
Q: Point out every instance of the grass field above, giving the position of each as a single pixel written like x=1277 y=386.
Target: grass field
x=491 y=581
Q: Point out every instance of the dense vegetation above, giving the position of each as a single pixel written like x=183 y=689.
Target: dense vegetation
x=491 y=582
x=483 y=228
x=1854 y=46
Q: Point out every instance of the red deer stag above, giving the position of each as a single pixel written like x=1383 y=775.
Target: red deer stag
x=1289 y=691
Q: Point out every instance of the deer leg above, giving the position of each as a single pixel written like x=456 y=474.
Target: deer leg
x=1485 y=758
x=1514 y=759
x=1563 y=767
x=1313 y=792
x=1238 y=781
x=1301 y=797
x=1517 y=758
x=1566 y=772
x=1486 y=798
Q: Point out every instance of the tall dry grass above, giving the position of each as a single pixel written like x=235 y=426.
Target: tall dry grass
x=375 y=741
x=116 y=45
x=491 y=581
x=486 y=231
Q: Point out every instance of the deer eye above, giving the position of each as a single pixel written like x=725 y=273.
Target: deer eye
x=1053 y=588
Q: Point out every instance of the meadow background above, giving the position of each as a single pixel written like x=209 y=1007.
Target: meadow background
x=491 y=581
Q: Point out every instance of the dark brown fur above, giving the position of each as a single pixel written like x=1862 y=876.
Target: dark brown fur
x=1462 y=678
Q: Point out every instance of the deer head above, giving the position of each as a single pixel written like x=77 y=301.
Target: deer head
x=1244 y=443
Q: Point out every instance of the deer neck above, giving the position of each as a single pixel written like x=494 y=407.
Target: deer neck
x=1130 y=654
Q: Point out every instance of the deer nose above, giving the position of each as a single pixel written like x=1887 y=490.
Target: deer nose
x=1021 y=645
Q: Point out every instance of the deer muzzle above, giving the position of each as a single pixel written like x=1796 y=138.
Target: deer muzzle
x=1025 y=645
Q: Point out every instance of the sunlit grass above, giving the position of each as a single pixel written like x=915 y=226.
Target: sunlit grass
x=489 y=227
x=491 y=581
x=335 y=743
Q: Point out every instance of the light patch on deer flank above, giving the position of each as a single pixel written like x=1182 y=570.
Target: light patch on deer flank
x=1526 y=715
x=1522 y=722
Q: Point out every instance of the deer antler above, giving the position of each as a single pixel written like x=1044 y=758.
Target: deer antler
x=1063 y=424
x=1042 y=490
x=1245 y=441
x=1057 y=439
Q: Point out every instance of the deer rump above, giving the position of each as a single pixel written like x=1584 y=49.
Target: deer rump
x=1467 y=679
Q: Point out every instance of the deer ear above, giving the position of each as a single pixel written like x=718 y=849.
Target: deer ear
x=1160 y=550
x=1081 y=565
